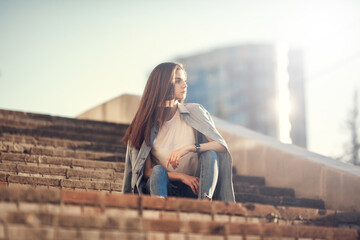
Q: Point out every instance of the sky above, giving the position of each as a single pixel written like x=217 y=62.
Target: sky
x=65 y=57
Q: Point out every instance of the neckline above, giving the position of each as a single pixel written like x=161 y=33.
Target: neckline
x=172 y=118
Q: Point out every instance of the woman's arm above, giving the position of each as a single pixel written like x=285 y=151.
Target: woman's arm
x=192 y=182
x=175 y=156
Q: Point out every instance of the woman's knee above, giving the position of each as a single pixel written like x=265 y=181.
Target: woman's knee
x=158 y=171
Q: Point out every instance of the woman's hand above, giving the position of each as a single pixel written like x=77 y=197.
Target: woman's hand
x=175 y=156
x=192 y=182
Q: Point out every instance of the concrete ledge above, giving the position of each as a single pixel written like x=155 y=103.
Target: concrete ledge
x=284 y=165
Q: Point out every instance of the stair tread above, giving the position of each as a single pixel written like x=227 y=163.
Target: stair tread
x=62 y=161
x=280 y=200
x=265 y=213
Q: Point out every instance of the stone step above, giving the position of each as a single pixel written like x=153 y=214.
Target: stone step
x=152 y=207
x=252 y=180
x=61 y=172
x=61 y=143
x=19 y=226
x=49 y=161
x=42 y=132
x=34 y=209
x=83 y=184
x=279 y=201
x=242 y=187
x=9 y=117
x=26 y=149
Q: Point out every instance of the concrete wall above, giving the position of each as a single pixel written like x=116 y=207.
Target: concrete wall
x=283 y=165
x=121 y=109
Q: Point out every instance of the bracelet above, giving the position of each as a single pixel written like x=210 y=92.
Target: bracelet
x=197 y=146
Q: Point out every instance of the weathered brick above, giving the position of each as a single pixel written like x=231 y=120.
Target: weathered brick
x=3 y=177
x=176 y=236
x=162 y=225
x=92 y=185
x=244 y=229
x=8 y=167
x=202 y=236
x=7 y=207
x=80 y=174
x=181 y=204
x=70 y=209
x=3 y=147
x=260 y=210
x=151 y=202
x=221 y=218
x=151 y=214
x=41 y=170
x=16 y=232
x=188 y=216
x=32 y=219
x=116 y=187
x=53 y=160
x=155 y=236
x=16 y=157
x=42 y=151
x=220 y=207
x=169 y=215
x=125 y=213
x=81 y=221
x=86 y=210
x=118 y=176
x=81 y=197
x=237 y=219
x=97 y=164
x=34 y=180
x=111 y=235
x=65 y=234
x=89 y=234
x=252 y=220
x=122 y=200
x=211 y=228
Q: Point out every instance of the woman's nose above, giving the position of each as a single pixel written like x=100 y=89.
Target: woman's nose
x=185 y=85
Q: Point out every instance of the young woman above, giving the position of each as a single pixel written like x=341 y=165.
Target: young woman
x=174 y=149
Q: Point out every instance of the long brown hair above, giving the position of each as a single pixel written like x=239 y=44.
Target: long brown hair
x=159 y=88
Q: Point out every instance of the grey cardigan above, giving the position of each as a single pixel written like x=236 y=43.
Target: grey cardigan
x=198 y=118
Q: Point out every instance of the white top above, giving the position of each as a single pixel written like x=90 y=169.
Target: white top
x=173 y=135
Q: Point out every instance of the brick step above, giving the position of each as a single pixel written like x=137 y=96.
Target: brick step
x=71 y=209
x=61 y=172
x=61 y=143
x=252 y=180
x=60 y=183
x=241 y=187
x=81 y=129
x=49 y=161
x=279 y=201
x=47 y=120
x=25 y=150
x=19 y=226
x=43 y=132
x=153 y=207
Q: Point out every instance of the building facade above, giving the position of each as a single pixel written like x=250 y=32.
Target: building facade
x=240 y=84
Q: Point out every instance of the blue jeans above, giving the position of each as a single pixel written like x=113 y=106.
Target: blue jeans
x=208 y=170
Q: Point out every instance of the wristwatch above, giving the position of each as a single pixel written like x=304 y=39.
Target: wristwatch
x=197 y=146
